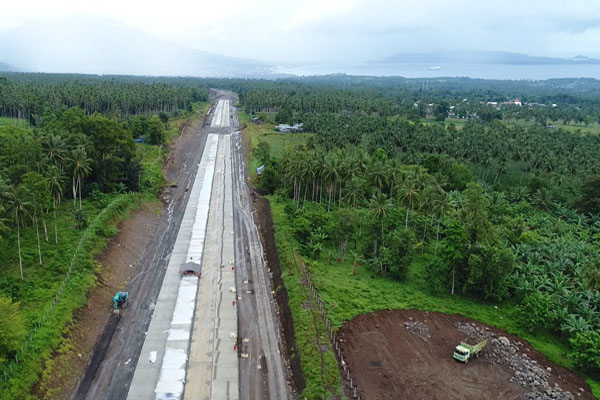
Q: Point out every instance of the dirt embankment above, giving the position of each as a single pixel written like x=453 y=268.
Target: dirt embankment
x=264 y=220
x=118 y=262
x=407 y=354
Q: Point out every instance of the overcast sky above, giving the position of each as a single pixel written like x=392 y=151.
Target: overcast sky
x=327 y=30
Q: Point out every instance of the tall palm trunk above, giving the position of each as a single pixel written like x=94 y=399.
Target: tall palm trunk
x=55 y=227
x=19 y=246
x=305 y=191
x=437 y=237
x=79 y=186
x=37 y=233
x=45 y=228
x=74 y=189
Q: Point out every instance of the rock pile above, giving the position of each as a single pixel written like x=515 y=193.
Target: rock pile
x=527 y=372
x=418 y=328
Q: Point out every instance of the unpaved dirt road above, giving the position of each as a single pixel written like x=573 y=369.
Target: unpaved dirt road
x=259 y=325
x=115 y=356
x=407 y=354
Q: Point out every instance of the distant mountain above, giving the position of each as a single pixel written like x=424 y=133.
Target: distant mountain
x=484 y=57
x=6 y=67
x=99 y=46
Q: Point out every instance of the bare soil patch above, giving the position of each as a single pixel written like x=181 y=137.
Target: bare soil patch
x=407 y=354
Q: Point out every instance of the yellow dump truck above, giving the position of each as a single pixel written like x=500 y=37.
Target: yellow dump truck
x=464 y=351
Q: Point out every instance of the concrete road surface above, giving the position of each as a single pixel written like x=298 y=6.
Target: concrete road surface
x=217 y=337
x=111 y=376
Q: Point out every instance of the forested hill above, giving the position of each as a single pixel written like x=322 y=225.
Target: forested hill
x=485 y=57
x=63 y=45
x=7 y=67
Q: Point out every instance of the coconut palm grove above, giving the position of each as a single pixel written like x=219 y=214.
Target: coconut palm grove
x=465 y=196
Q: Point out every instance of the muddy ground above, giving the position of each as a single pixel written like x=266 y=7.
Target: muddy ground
x=407 y=354
x=140 y=235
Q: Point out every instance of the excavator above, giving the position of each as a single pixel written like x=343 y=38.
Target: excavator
x=120 y=300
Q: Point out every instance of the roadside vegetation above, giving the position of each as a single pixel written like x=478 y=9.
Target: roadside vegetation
x=497 y=222
x=67 y=177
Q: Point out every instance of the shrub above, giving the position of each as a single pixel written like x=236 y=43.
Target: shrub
x=586 y=351
x=536 y=311
x=12 y=328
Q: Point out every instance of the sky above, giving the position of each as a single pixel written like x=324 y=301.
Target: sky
x=299 y=31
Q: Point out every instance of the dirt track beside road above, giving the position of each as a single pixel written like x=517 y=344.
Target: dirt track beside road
x=144 y=242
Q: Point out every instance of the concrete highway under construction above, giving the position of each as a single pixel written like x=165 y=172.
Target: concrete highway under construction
x=209 y=329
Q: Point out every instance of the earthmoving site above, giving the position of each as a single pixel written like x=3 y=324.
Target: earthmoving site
x=407 y=354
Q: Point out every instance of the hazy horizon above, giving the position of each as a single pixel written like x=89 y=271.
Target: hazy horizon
x=47 y=35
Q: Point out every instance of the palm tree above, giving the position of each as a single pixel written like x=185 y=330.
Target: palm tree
x=354 y=192
x=55 y=150
x=19 y=208
x=331 y=174
x=380 y=206
x=57 y=182
x=441 y=207
x=378 y=175
x=81 y=169
x=408 y=193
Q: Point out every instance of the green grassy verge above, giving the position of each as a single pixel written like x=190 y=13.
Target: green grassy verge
x=346 y=296
x=593 y=129
x=319 y=366
x=42 y=283
x=278 y=142
x=199 y=111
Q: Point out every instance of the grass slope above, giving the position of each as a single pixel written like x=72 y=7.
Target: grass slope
x=346 y=296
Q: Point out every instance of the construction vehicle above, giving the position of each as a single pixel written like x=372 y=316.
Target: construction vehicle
x=464 y=351
x=120 y=300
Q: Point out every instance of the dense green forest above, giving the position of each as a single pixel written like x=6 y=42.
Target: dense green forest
x=401 y=193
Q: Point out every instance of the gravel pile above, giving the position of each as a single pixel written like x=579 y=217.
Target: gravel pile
x=527 y=373
x=418 y=328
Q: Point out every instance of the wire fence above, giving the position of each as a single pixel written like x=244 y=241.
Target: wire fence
x=349 y=381
x=20 y=355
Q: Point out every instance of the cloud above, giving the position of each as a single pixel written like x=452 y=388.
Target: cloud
x=312 y=30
